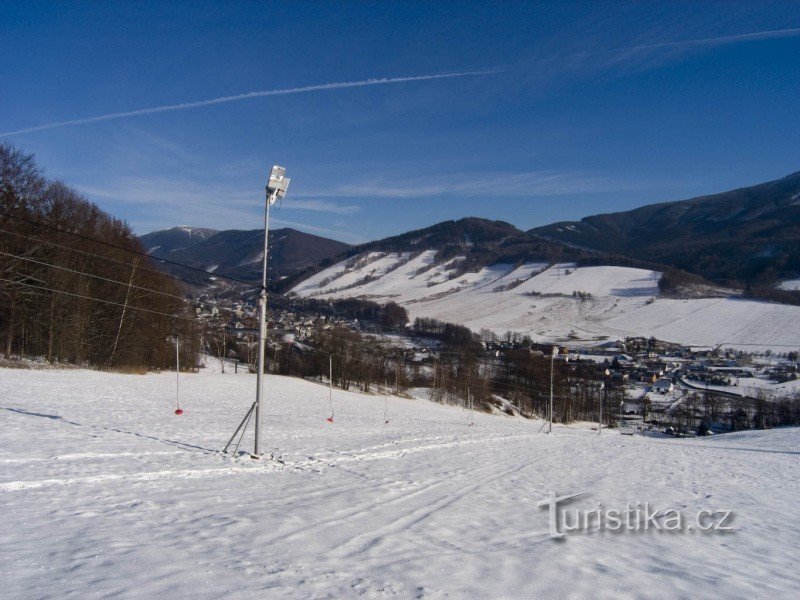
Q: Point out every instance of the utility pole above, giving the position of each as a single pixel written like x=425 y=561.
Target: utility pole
x=178 y=410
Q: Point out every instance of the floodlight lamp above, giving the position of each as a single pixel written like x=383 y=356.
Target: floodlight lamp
x=278 y=183
x=555 y=350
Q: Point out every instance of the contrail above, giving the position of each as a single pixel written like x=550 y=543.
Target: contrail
x=389 y=80
x=717 y=40
x=257 y=94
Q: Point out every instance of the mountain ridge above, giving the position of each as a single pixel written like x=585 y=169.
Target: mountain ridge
x=742 y=238
x=748 y=235
x=238 y=253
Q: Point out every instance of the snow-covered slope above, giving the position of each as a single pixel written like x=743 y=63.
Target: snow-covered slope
x=105 y=493
x=556 y=302
x=790 y=285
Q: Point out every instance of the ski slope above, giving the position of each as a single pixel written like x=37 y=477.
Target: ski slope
x=557 y=303
x=105 y=493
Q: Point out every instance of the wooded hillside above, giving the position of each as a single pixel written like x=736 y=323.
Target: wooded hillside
x=75 y=285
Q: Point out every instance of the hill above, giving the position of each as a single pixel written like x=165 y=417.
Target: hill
x=488 y=275
x=475 y=242
x=555 y=302
x=238 y=253
x=747 y=236
x=161 y=243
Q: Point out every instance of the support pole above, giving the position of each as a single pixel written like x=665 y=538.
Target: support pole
x=177 y=372
x=242 y=424
x=600 y=420
x=550 y=425
x=603 y=401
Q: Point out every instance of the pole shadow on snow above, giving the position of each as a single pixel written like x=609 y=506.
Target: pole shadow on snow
x=61 y=419
x=42 y=415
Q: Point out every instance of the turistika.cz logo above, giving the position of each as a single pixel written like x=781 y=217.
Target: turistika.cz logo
x=635 y=517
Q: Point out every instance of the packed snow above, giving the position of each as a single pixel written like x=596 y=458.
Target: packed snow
x=105 y=492
x=557 y=303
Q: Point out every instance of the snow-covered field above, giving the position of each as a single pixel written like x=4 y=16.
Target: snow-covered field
x=105 y=493
x=536 y=299
x=754 y=387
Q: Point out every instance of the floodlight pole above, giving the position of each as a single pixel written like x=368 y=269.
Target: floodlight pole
x=276 y=188
x=262 y=326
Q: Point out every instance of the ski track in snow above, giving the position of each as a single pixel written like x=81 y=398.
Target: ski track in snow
x=105 y=493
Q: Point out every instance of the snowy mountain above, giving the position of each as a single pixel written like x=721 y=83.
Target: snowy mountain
x=162 y=243
x=553 y=302
x=238 y=253
x=749 y=235
x=475 y=242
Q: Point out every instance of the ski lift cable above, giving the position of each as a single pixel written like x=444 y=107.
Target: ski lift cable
x=118 y=247
x=49 y=289
x=99 y=277
x=82 y=252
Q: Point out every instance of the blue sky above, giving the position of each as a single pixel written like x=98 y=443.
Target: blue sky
x=578 y=109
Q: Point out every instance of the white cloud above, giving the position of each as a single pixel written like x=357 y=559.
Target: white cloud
x=339 y=234
x=474 y=184
x=320 y=206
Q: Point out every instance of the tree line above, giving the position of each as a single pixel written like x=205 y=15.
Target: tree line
x=459 y=368
x=75 y=285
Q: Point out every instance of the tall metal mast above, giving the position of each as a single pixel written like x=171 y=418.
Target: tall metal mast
x=276 y=188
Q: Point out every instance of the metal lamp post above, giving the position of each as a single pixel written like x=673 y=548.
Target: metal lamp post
x=276 y=189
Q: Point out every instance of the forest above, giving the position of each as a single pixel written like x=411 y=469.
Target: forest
x=75 y=284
